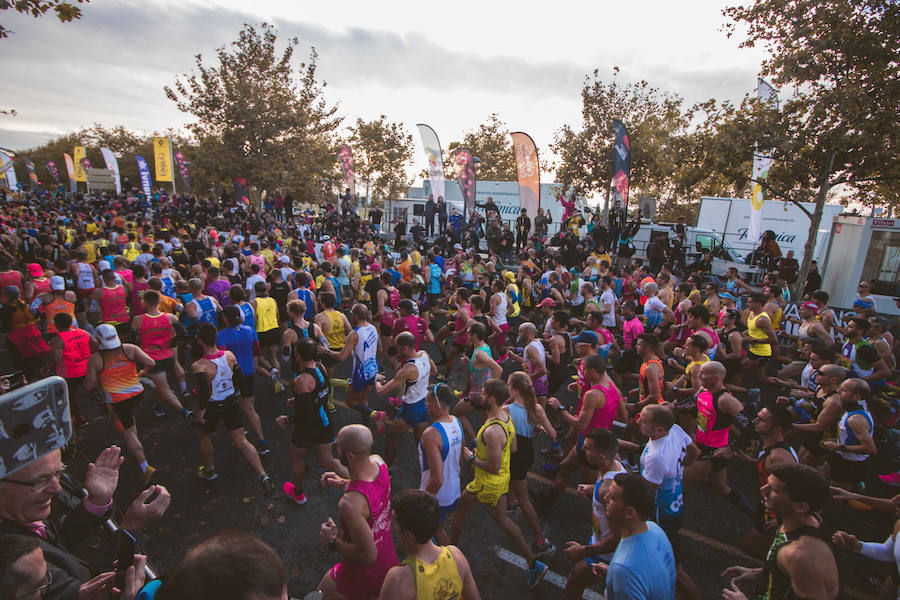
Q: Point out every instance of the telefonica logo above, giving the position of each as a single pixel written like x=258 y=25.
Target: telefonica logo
x=787 y=238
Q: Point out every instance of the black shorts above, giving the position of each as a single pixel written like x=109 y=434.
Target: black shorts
x=245 y=389
x=124 y=410
x=163 y=365
x=757 y=358
x=521 y=459
x=732 y=367
x=706 y=453
x=847 y=471
x=227 y=411
x=271 y=337
x=306 y=436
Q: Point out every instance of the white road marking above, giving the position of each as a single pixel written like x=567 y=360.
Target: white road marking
x=551 y=577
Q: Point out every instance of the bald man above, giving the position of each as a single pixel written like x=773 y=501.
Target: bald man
x=364 y=542
x=533 y=359
x=717 y=410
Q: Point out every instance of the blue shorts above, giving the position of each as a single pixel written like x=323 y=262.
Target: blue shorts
x=358 y=384
x=446 y=511
x=415 y=413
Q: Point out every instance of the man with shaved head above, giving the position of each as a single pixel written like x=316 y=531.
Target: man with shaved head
x=716 y=412
x=820 y=414
x=364 y=540
x=533 y=359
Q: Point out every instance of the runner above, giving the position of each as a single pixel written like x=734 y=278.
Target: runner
x=364 y=540
x=430 y=571
x=156 y=331
x=114 y=369
x=265 y=311
x=312 y=426
x=70 y=350
x=218 y=377
x=481 y=368
x=414 y=374
x=240 y=340
x=440 y=455
x=490 y=485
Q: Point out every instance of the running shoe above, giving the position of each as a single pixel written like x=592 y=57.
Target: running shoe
x=276 y=382
x=159 y=410
x=262 y=448
x=395 y=402
x=291 y=492
x=380 y=420
x=147 y=475
x=543 y=550
x=190 y=419
x=891 y=479
x=266 y=485
x=554 y=452
x=536 y=574
x=207 y=473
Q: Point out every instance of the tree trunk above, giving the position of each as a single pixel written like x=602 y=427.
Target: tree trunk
x=814 y=221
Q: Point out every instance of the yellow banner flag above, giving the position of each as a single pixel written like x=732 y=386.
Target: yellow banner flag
x=162 y=157
x=77 y=155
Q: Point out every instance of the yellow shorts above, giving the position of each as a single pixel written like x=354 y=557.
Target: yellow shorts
x=486 y=493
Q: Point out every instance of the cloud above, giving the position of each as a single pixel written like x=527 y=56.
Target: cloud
x=110 y=67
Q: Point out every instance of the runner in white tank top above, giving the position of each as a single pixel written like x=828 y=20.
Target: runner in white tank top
x=499 y=316
x=222 y=384
x=418 y=390
x=451 y=447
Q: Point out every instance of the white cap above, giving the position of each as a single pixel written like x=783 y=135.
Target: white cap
x=107 y=337
x=285 y=259
x=103 y=265
x=57 y=283
x=325 y=238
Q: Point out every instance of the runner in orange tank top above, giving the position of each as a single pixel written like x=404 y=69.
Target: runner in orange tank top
x=57 y=301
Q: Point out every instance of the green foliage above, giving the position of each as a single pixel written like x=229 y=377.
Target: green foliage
x=493 y=145
x=65 y=11
x=838 y=126
x=258 y=118
x=382 y=151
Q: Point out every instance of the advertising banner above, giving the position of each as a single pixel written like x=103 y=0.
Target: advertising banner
x=529 y=174
x=182 y=164
x=434 y=160
x=77 y=155
x=466 y=162
x=162 y=159
x=144 y=170
x=345 y=156
x=70 y=170
x=621 y=162
x=113 y=165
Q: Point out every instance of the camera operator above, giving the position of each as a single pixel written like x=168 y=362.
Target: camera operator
x=25 y=500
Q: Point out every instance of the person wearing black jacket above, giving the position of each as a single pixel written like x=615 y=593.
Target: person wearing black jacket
x=430 y=212
x=523 y=228
x=25 y=500
x=442 y=215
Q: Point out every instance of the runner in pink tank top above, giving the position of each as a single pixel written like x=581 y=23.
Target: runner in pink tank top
x=355 y=580
x=604 y=417
x=113 y=309
x=155 y=335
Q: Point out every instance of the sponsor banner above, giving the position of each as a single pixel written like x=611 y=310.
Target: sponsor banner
x=621 y=162
x=54 y=171
x=529 y=174
x=144 y=170
x=434 y=159
x=345 y=157
x=113 y=165
x=78 y=155
x=761 y=164
x=465 y=160
x=182 y=164
x=32 y=173
x=9 y=171
x=70 y=170
x=162 y=159
x=241 y=195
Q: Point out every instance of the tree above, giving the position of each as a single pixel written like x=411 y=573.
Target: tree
x=492 y=144
x=382 y=151
x=65 y=11
x=838 y=127
x=258 y=118
x=658 y=130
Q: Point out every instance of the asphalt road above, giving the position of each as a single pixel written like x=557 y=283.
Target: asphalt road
x=710 y=538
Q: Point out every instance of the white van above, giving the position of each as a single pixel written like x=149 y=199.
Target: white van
x=698 y=242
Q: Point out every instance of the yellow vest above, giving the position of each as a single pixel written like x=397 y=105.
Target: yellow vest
x=335 y=335
x=439 y=579
x=494 y=483
x=266 y=314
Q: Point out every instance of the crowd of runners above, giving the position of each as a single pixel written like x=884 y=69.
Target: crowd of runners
x=643 y=382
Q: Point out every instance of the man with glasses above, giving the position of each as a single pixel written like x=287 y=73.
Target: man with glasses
x=25 y=575
x=25 y=499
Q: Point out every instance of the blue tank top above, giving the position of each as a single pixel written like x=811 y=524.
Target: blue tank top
x=207 y=311
x=305 y=295
x=519 y=415
x=434 y=284
x=337 y=290
x=168 y=286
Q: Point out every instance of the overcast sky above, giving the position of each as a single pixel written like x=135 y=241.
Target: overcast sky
x=449 y=66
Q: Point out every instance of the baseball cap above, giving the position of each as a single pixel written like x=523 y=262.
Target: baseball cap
x=107 y=337
x=103 y=265
x=35 y=270
x=457 y=246
x=728 y=295
x=509 y=276
x=375 y=267
x=547 y=302
x=587 y=337
x=57 y=283
x=285 y=259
